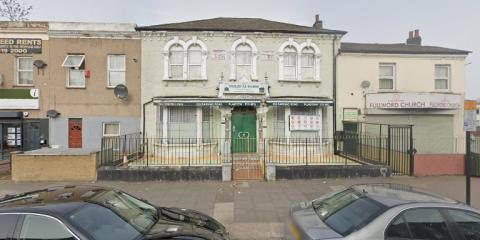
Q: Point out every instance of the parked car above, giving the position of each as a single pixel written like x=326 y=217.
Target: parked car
x=92 y=213
x=384 y=211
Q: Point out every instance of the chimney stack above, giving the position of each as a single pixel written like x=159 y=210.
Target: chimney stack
x=414 y=38
x=318 y=25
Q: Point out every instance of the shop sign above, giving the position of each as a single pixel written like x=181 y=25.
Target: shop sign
x=243 y=88
x=19 y=99
x=212 y=104
x=413 y=101
x=298 y=104
x=350 y=114
x=20 y=45
x=305 y=122
x=470 y=110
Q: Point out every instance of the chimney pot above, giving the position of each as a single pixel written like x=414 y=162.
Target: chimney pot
x=417 y=33
x=410 y=34
x=414 y=38
x=318 y=25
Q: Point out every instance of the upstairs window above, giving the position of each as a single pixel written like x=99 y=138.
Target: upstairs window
x=195 y=62
x=308 y=63
x=24 y=71
x=243 y=62
x=116 y=70
x=442 y=77
x=387 y=76
x=290 y=63
x=176 y=62
x=75 y=65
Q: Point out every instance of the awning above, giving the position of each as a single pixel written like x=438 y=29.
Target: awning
x=198 y=102
x=300 y=102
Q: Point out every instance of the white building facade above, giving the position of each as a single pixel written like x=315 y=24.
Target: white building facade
x=237 y=78
x=405 y=84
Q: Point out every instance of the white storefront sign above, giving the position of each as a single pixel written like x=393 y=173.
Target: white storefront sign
x=243 y=88
x=413 y=101
x=305 y=122
x=19 y=99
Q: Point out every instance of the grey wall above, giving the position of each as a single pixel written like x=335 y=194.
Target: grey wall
x=92 y=130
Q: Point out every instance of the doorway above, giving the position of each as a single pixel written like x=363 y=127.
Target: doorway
x=74 y=133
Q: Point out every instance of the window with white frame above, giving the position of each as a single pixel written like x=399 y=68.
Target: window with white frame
x=111 y=129
x=75 y=65
x=194 y=62
x=308 y=63
x=182 y=124
x=243 y=62
x=116 y=70
x=207 y=124
x=442 y=77
x=24 y=71
x=176 y=61
x=386 y=76
x=279 y=122
x=159 y=125
x=290 y=63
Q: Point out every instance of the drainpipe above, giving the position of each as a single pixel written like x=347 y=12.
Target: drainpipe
x=334 y=54
x=144 y=106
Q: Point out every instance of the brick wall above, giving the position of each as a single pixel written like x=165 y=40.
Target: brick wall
x=439 y=164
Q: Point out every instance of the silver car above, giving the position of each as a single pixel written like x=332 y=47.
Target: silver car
x=384 y=211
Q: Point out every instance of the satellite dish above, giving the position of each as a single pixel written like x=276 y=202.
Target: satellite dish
x=121 y=92
x=39 y=64
x=52 y=113
x=365 y=84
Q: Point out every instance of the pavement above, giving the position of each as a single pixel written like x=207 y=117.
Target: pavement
x=256 y=209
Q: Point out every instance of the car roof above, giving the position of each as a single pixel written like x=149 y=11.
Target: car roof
x=55 y=200
x=392 y=194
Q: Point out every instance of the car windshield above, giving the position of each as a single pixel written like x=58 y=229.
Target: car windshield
x=347 y=211
x=114 y=215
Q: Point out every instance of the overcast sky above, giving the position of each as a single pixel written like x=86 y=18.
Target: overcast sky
x=446 y=23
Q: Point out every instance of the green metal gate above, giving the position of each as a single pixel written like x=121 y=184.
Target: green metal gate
x=244 y=132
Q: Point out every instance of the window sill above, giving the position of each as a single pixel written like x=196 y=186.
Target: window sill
x=23 y=85
x=387 y=91
x=113 y=87
x=299 y=81
x=185 y=80
x=442 y=91
x=70 y=87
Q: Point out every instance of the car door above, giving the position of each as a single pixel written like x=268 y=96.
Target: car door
x=42 y=227
x=467 y=223
x=7 y=225
x=420 y=223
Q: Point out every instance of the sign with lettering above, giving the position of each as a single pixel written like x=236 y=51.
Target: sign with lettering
x=267 y=56
x=350 y=114
x=254 y=88
x=19 y=99
x=305 y=122
x=469 y=117
x=20 y=45
x=413 y=101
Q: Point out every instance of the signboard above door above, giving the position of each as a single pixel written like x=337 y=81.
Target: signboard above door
x=243 y=88
x=413 y=101
x=19 y=98
x=20 y=45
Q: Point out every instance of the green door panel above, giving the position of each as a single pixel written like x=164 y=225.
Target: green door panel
x=244 y=132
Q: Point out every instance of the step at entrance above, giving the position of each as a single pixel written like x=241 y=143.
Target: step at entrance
x=247 y=166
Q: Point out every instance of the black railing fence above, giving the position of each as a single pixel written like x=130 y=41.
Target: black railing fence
x=351 y=150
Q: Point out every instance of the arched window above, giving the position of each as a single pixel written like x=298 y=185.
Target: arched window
x=176 y=61
x=290 y=63
x=195 y=62
x=243 y=62
x=308 y=63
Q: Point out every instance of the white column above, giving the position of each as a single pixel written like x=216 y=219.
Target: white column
x=199 y=124
x=166 y=68
x=185 y=64
x=280 y=66
x=165 y=124
x=287 y=122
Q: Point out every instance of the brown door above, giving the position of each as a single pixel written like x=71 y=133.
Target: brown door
x=75 y=133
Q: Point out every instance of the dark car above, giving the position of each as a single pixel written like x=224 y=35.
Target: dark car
x=384 y=211
x=89 y=212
